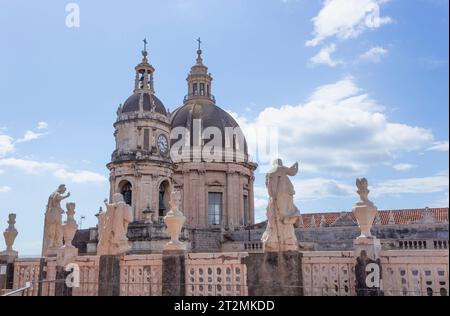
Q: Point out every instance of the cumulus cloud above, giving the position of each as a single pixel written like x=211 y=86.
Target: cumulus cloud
x=374 y=55
x=6 y=144
x=439 y=146
x=4 y=189
x=339 y=130
x=323 y=57
x=320 y=188
x=403 y=166
x=60 y=171
x=345 y=19
x=442 y=202
x=82 y=176
x=30 y=135
x=432 y=184
x=29 y=166
x=42 y=125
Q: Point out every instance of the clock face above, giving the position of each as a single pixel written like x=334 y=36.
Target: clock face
x=163 y=144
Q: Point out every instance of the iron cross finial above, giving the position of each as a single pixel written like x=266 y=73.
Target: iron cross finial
x=145 y=43
x=199 y=43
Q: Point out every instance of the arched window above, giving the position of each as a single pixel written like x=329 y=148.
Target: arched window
x=195 y=90
x=163 y=197
x=126 y=191
x=202 y=89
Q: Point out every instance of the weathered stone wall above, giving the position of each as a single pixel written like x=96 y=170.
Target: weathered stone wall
x=341 y=238
x=403 y=273
x=206 y=240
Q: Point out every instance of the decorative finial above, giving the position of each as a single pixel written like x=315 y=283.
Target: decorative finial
x=144 y=52
x=199 y=51
x=145 y=44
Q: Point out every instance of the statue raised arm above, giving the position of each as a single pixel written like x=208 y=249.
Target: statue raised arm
x=282 y=214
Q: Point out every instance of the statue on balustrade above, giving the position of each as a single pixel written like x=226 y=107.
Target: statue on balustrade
x=113 y=227
x=53 y=230
x=282 y=214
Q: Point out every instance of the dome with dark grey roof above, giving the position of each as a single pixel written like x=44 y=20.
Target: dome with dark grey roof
x=132 y=104
x=210 y=116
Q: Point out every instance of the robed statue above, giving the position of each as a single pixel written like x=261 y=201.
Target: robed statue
x=282 y=214
x=53 y=230
x=113 y=227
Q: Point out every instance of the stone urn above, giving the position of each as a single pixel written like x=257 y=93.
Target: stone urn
x=70 y=226
x=10 y=233
x=174 y=221
x=364 y=210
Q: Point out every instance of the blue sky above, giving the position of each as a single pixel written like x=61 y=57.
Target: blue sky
x=355 y=87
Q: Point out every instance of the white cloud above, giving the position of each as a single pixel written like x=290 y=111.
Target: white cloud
x=324 y=56
x=30 y=135
x=374 y=54
x=442 y=202
x=439 y=146
x=346 y=19
x=59 y=170
x=42 y=125
x=339 y=130
x=6 y=144
x=2 y=171
x=432 y=184
x=318 y=188
x=403 y=166
x=4 y=189
x=29 y=166
x=82 y=176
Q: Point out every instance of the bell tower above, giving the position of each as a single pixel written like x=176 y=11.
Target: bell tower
x=141 y=168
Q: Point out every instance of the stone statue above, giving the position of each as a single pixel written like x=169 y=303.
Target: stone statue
x=282 y=214
x=113 y=227
x=174 y=221
x=10 y=233
x=53 y=231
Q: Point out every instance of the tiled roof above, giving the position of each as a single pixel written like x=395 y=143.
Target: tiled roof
x=401 y=217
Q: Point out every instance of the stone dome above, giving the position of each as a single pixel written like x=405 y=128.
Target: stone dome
x=210 y=115
x=132 y=103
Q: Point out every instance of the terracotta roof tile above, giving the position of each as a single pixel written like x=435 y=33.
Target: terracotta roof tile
x=401 y=217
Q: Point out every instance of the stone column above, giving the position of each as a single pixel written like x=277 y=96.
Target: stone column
x=109 y=275
x=366 y=247
x=8 y=256
x=186 y=192
x=251 y=197
x=66 y=253
x=202 y=205
x=274 y=274
x=173 y=270
x=173 y=273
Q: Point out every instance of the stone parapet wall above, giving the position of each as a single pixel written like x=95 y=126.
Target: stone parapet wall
x=415 y=272
x=216 y=274
x=320 y=273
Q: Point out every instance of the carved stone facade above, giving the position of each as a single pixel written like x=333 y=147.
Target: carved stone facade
x=214 y=194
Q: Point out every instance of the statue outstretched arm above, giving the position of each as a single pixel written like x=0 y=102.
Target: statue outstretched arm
x=292 y=171
x=65 y=196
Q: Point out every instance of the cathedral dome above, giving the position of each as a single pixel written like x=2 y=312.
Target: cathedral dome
x=210 y=116
x=132 y=103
